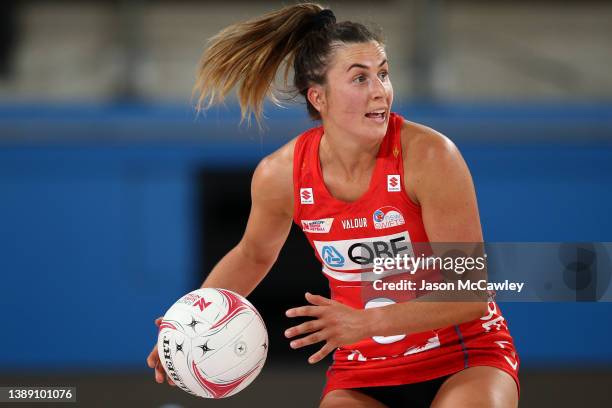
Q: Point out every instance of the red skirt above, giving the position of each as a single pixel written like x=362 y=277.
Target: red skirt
x=481 y=342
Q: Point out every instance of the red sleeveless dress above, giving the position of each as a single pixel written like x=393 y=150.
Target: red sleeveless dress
x=346 y=236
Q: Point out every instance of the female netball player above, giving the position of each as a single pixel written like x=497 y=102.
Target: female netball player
x=365 y=177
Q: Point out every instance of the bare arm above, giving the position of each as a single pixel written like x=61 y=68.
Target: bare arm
x=267 y=228
x=269 y=223
x=439 y=180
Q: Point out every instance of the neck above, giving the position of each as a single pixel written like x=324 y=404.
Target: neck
x=347 y=153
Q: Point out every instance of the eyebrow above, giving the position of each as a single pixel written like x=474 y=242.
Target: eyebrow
x=363 y=66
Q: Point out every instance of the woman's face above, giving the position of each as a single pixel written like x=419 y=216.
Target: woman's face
x=358 y=94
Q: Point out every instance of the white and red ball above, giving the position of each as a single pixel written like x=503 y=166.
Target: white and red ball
x=212 y=343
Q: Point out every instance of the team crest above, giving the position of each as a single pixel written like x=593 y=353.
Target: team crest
x=387 y=217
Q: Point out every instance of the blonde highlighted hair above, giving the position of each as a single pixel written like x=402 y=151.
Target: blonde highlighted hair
x=249 y=54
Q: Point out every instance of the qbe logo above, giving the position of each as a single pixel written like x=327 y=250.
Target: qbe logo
x=357 y=254
x=306 y=196
x=332 y=257
x=393 y=183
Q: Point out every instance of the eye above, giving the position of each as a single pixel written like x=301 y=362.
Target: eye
x=360 y=79
x=384 y=74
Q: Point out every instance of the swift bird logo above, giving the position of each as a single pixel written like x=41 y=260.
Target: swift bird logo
x=395 y=151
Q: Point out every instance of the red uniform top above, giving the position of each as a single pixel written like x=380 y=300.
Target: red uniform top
x=384 y=222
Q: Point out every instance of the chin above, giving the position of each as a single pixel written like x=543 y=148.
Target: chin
x=377 y=131
x=375 y=135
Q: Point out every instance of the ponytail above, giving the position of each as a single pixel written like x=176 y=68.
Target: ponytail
x=249 y=54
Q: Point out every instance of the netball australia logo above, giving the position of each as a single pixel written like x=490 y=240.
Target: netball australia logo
x=321 y=226
x=387 y=217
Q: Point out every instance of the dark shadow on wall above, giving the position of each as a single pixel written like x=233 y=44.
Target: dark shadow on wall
x=224 y=205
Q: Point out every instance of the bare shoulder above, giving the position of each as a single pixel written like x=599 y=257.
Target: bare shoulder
x=273 y=178
x=429 y=158
x=426 y=144
x=278 y=163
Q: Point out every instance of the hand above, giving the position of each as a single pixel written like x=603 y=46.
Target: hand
x=154 y=362
x=334 y=323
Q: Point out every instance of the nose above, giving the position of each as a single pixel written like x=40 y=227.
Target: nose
x=377 y=89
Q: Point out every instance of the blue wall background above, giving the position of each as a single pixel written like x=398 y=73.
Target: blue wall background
x=97 y=207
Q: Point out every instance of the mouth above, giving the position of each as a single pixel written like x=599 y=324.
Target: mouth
x=379 y=115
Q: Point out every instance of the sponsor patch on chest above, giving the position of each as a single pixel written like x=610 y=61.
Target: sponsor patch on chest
x=356 y=254
x=322 y=226
x=358 y=222
x=394 y=183
x=306 y=195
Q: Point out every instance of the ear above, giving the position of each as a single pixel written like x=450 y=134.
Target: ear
x=316 y=96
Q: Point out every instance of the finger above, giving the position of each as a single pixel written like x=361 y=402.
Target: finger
x=170 y=381
x=312 y=311
x=160 y=375
x=320 y=355
x=153 y=358
x=308 y=340
x=318 y=300
x=306 y=327
x=158 y=321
